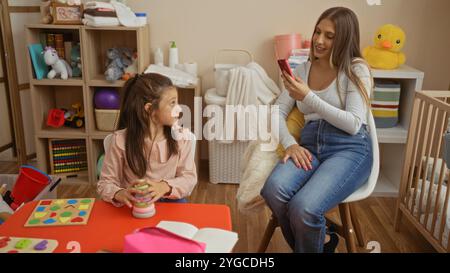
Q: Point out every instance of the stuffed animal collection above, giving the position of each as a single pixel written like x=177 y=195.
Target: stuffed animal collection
x=386 y=53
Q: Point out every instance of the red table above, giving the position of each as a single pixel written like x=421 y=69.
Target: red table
x=108 y=225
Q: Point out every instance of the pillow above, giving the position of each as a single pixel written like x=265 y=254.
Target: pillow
x=295 y=123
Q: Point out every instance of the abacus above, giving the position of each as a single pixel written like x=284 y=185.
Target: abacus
x=67 y=156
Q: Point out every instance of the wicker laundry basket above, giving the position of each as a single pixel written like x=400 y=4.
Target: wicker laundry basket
x=224 y=158
x=225 y=161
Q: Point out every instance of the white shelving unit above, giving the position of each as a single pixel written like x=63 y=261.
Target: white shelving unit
x=393 y=140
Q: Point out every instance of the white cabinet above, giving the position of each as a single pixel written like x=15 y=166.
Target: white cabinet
x=393 y=140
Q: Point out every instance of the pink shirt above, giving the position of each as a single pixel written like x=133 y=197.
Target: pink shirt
x=178 y=171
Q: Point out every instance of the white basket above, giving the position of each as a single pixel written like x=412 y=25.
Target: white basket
x=225 y=161
x=107 y=120
x=221 y=72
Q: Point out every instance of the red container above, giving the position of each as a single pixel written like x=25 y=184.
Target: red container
x=29 y=184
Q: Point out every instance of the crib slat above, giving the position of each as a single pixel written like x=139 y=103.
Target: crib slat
x=414 y=155
x=426 y=145
x=444 y=213
x=437 y=155
x=406 y=171
x=425 y=173
x=424 y=132
x=438 y=193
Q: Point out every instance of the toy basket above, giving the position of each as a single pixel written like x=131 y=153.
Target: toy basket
x=221 y=71
x=106 y=119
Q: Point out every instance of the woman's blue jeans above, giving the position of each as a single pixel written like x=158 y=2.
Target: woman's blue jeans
x=299 y=199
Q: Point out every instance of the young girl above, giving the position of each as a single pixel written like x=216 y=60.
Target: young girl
x=334 y=157
x=144 y=148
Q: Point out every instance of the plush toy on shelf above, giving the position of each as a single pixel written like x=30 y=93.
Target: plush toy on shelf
x=386 y=54
x=59 y=66
x=132 y=69
x=75 y=61
x=118 y=60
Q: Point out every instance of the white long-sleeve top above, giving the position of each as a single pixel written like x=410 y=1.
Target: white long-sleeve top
x=326 y=104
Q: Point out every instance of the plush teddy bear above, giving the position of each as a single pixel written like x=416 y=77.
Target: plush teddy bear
x=59 y=66
x=118 y=59
x=46 y=17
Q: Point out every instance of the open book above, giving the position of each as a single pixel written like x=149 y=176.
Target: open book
x=216 y=240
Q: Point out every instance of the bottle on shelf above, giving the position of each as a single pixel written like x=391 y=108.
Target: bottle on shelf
x=173 y=54
x=159 y=57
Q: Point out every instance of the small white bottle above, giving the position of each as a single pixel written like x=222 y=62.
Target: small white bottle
x=159 y=57
x=173 y=54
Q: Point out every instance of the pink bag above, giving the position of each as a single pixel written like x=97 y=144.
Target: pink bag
x=158 y=240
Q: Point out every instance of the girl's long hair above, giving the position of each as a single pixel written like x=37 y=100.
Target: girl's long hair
x=140 y=90
x=346 y=46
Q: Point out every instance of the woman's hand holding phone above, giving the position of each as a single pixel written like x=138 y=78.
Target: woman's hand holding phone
x=296 y=87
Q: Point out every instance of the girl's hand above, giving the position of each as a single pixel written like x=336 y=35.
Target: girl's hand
x=301 y=157
x=297 y=88
x=156 y=190
x=126 y=196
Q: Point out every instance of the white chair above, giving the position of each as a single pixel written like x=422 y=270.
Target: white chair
x=349 y=219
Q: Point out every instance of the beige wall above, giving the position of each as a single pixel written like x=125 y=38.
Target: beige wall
x=201 y=27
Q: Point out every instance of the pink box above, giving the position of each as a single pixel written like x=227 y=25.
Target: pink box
x=158 y=240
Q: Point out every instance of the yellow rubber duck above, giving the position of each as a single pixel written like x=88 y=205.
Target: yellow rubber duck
x=386 y=54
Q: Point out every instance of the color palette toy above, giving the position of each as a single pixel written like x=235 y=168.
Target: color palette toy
x=61 y=212
x=27 y=245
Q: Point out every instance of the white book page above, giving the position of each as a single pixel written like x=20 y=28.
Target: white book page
x=182 y=229
x=216 y=240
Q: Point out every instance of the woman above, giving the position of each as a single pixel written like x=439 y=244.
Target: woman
x=334 y=157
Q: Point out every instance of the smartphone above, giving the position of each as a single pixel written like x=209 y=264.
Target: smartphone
x=284 y=66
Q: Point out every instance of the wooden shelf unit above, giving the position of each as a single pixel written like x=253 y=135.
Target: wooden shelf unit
x=392 y=141
x=57 y=93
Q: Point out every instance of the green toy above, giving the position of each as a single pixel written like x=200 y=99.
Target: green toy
x=75 y=61
x=100 y=165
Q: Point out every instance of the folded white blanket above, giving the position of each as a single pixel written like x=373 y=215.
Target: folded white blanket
x=125 y=15
x=249 y=85
x=178 y=77
x=96 y=5
x=96 y=21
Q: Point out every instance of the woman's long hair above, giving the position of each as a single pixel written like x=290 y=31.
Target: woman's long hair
x=140 y=90
x=346 y=49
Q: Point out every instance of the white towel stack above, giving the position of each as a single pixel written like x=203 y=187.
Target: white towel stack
x=124 y=15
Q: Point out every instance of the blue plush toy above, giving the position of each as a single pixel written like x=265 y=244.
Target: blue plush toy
x=118 y=60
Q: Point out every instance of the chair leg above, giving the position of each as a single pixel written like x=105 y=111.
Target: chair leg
x=344 y=211
x=357 y=226
x=270 y=229
x=398 y=218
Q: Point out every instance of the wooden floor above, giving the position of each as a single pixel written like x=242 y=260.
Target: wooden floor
x=376 y=216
